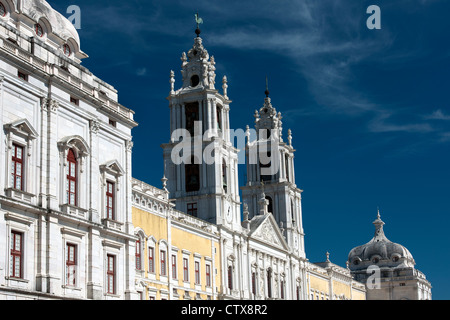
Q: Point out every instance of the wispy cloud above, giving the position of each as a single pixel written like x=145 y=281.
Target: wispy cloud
x=437 y=115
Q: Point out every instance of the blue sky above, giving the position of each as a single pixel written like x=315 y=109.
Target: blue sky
x=369 y=109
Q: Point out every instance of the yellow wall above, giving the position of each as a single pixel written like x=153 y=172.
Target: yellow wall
x=340 y=288
x=318 y=284
x=358 y=295
x=184 y=240
x=321 y=285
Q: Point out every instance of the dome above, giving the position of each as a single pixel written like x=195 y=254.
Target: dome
x=380 y=251
x=60 y=25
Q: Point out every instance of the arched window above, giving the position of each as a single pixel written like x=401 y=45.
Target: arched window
x=224 y=175
x=286 y=164
x=265 y=166
x=192 y=176
x=219 y=117
x=270 y=206
x=292 y=211
x=72 y=176
x=192 y=115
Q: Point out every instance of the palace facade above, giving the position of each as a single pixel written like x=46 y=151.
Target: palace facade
x=75 y=224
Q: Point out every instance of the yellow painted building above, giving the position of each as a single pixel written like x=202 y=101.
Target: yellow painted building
x=328 y=281
x=177 y=255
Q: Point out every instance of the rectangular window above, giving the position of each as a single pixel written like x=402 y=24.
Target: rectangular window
x=151 y=260
x=16 y=258
x=74 y=101
x=112 y=123
x=230 y=277
x=208 y=275
x=71 y=264
x=174 y=266
x=254 y=283
x=138 y=255
x=185 y=269
x=110 y=195
x=192 y=209
x=111 y=274
x=197 y=272
x=22 y=76
x=17 y=167
x=282 y=289
x=163 y=262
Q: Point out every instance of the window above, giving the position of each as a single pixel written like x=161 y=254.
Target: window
x=22 y=76
x=151 y=260
x=174 y=266
x=66 y=50
x=185 y=269
x=111 y=274
x=208 y=275
x=2 y=10
x=219 y=117
x=110 y=214
x=197 y=272
x=71 y=183
x=254 y=283
x=17 y=167
x=270 y=206
x=112 y=123
x=224 y=175
x=138 y=255
x=39 y=30
x=192 y=209
x=282 y=289
x=195 y=80
x=75 y=101
x=71 y=264
x=16 y=257
x=192 y=115
x=230 y=277
x=163 y=262
x=269 y=283
x=265 y=165
x=192 y=172
x=286 y=164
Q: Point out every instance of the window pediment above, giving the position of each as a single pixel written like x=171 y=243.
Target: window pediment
x=22 y=128
x=113 y=167
x=77 y=143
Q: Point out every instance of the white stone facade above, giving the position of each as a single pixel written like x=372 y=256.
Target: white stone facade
x=51 y=106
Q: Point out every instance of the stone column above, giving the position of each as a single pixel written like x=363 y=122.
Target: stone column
x=52 y=156
x=95 y=188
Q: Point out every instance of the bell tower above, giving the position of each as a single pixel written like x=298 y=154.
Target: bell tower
x=200 y=161
x=270 y=171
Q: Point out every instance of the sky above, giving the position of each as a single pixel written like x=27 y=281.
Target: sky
x=369 y=109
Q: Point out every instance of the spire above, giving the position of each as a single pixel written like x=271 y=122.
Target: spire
x=378 y=223
x=267 y=87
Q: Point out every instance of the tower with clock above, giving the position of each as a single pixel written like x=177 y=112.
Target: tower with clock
x=201 y=164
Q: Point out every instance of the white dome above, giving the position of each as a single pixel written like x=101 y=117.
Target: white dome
x=380 y=251
x=60 y=25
